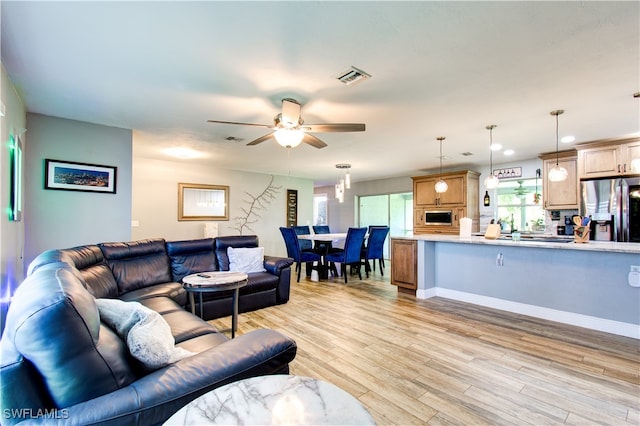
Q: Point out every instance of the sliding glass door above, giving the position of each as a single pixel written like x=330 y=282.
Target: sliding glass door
x=392 y=210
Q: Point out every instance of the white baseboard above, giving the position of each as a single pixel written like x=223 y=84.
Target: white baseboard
x=586 y=321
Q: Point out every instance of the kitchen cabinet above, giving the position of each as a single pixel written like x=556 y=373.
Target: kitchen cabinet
x=404 y=264
x=563 y=195
x=461 y=198
x=609 y=158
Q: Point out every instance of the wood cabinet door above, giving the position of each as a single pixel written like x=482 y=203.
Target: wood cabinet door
x=455 y=195
x=404 y=265
x=561 y=195
x=424 y=192
x=599 y=162
x=631 y=157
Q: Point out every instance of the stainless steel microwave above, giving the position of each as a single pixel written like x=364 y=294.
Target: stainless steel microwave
x=438 y=217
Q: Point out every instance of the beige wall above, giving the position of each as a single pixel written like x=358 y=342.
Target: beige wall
x=155 y=201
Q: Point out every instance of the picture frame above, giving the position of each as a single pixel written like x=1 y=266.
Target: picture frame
x=202 y=202
x=84 y=177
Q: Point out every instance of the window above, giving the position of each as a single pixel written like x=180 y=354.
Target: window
x=320 y=209
x=520 y=206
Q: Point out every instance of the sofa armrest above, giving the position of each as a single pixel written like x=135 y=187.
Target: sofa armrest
x=155 y=397
x=275 y=265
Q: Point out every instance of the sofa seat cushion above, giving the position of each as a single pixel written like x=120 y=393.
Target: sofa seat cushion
x=172 y=290
x=147 y=334
x=162 y=305
x=204 y=342
x=260 y=281
x=185 y=326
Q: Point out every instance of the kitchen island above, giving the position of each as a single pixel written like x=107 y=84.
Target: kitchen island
x=587 y=285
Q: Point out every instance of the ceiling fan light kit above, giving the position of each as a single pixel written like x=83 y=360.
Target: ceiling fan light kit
x=441 y=186
x=557 y=173
x=289 y=131
x=289 y=138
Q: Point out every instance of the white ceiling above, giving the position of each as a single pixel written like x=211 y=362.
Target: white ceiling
x=438 y=69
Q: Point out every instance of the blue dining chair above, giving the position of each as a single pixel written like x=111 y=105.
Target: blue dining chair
x=321 y=229
x=374 y=249
x=305 y=245
x=294 y=252
x=350 y=255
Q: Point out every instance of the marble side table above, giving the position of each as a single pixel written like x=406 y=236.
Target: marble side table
x=274 y=400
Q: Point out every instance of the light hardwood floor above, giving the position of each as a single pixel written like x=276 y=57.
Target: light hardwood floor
x=439 y=361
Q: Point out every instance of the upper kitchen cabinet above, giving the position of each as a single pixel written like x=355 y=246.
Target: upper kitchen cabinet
x=460 y=200
x=609 y=158
x=563 y=195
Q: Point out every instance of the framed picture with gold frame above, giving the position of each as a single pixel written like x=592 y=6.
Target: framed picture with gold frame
x=203 y=202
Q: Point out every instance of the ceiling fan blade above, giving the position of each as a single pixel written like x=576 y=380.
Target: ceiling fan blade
x=290 y=112
x=313 y=141
x=335 y=127
x=241 y=124
x=261 y=139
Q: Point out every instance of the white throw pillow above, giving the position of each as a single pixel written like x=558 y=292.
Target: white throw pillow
x=246 y=259
x=147 y=334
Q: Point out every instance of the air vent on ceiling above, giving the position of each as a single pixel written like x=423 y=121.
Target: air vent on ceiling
x=352 y=76
x=466 y=154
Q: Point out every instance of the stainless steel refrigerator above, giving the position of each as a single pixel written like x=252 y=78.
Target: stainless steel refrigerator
x=614 y=207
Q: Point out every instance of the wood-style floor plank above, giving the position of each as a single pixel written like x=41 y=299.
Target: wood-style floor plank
x=444 y=362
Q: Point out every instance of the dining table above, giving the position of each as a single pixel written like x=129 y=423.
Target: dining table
x=323 y=245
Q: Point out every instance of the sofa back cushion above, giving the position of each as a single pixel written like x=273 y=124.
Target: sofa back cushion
x=188 y=257
x=53 y=328
x=137 y=264
x=223 y=243
x=89 y=261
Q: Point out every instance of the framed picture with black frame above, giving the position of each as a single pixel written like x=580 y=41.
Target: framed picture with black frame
x=73 y=176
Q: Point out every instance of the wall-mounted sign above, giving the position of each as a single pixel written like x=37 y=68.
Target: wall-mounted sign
x=292 y=207
x=511 y=172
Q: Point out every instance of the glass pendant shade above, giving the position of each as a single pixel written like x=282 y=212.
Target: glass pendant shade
x=441 y=186
x=491 y=182
x=289 y=138
x=558 y=174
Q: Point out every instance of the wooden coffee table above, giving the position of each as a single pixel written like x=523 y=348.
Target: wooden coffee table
x=215 y=281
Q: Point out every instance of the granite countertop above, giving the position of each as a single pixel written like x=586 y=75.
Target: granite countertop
x=539 y=241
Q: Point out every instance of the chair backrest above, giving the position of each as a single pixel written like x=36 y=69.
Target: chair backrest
x=303 y=230
x=375 y=241
x=291 y=242
x=353 y=244
x=321 y=229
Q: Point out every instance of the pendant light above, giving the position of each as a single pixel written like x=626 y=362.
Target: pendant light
x=491 y=181
x=441 y=185
x=344 y=182
x=557 y=173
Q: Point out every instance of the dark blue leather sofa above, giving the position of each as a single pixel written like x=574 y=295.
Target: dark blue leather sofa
x=60 y=363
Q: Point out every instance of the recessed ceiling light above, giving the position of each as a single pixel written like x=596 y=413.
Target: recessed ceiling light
x=182 y=152
x=508 y=152
x=568 y=139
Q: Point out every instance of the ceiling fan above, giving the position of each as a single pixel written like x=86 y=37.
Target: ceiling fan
x=521 y=191
x=289 y=129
